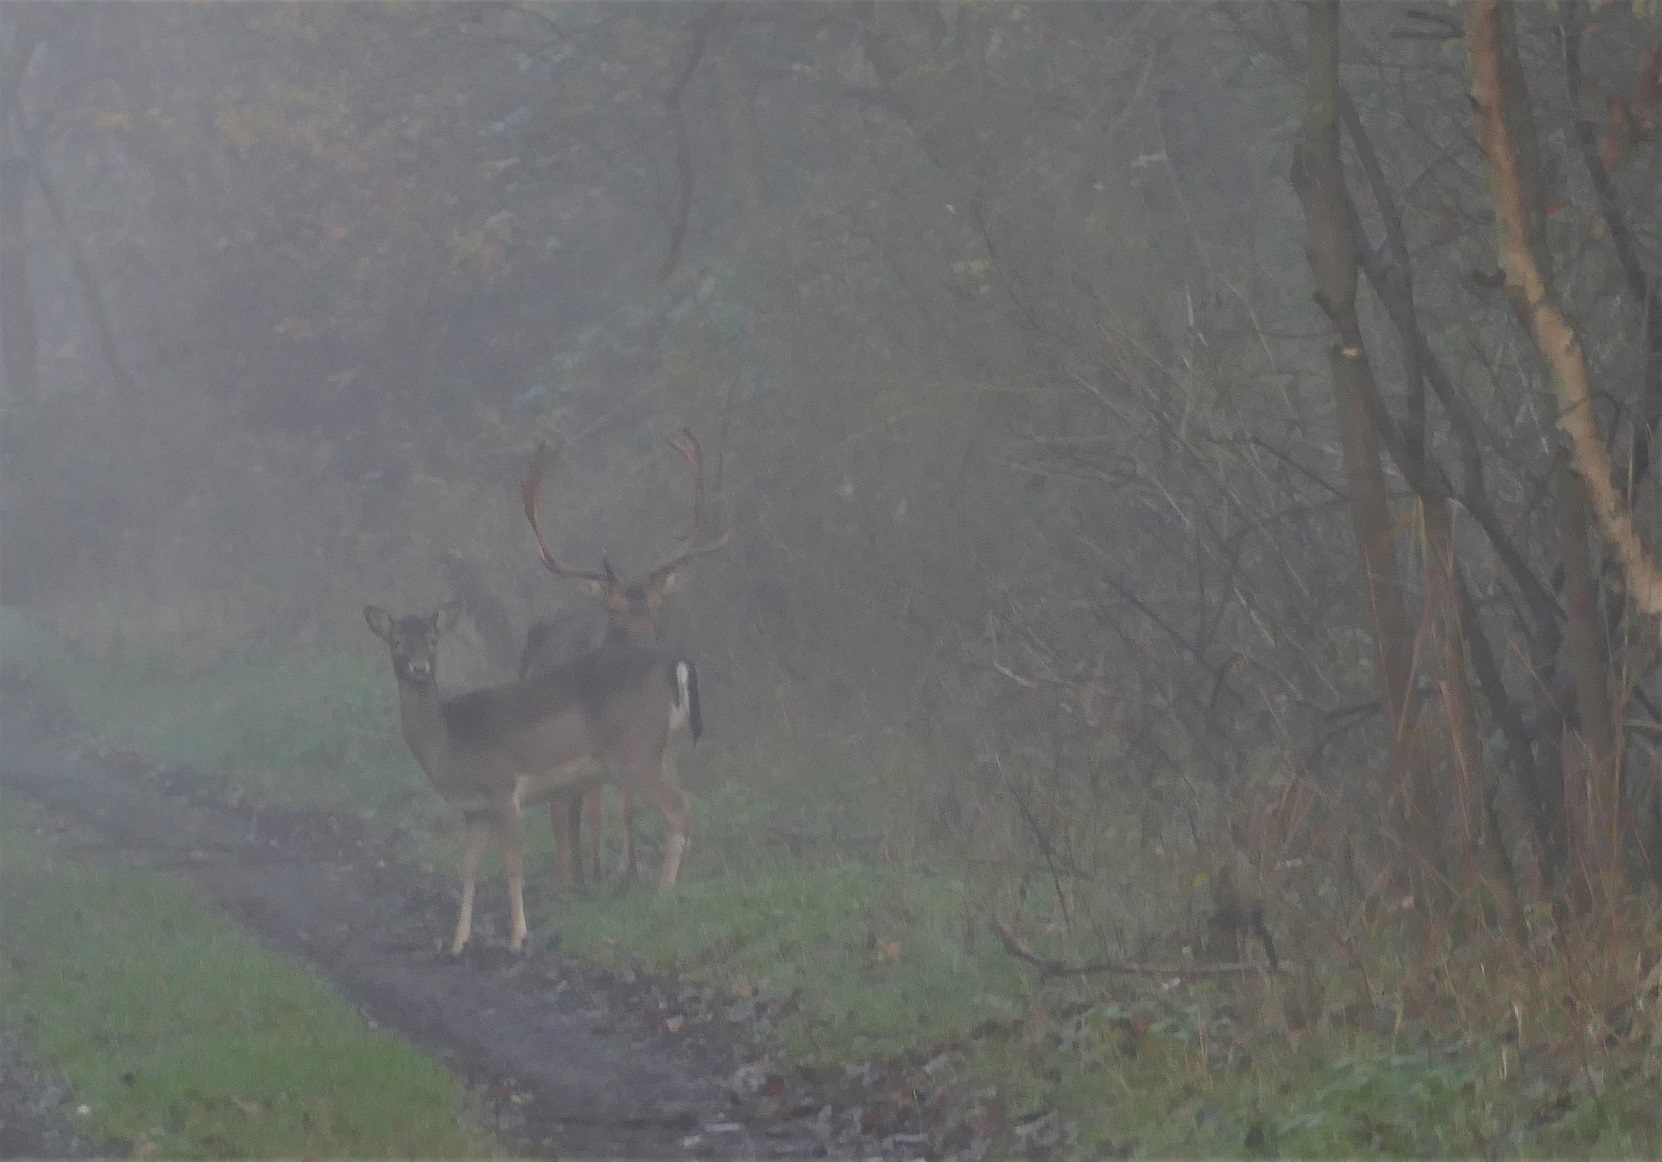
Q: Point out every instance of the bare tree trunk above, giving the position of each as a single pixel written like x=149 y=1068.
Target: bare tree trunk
x=1486 y=860
x=17 y=319
x=1595 y=823
x=19 y=356
x=81 y=268
x=1331 y=245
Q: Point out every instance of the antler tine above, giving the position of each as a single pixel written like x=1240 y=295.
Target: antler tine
x=531 y=490
x=687 y=444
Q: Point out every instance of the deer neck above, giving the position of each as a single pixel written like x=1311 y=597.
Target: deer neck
x=421 y=714
x=621 y=636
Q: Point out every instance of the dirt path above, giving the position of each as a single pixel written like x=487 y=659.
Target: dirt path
x=573 y=1062
x=35 y=1111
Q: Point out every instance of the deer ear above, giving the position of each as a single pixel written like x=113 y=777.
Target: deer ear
x=448 y=616
x=670 y=581
x=593 y=590
x=380 y=621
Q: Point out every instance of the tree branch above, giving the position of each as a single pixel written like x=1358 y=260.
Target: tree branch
x=1048 y=966
x=701 y=26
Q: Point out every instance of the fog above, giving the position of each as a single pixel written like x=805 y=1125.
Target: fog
x=995 y=324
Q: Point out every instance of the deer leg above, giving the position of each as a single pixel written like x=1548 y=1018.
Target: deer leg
x=565 y=818
x=626 y=799
x=596 y=803
x=559 y=822
x=574 y=812
x=478 y=827
x=664 y=792
x=513 y=863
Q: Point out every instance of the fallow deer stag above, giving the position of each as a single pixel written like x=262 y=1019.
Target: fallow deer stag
x=490 y=753
x=632 y=608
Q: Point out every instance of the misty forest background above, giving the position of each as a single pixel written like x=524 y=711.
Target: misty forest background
x=1137 y=451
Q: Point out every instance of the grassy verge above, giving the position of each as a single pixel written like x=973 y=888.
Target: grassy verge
x=183 y=1038
x=842 y=956
x=303 y=728
x=861 y=964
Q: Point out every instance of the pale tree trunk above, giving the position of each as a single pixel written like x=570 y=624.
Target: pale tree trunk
x=1526 y=287
x=1593 y=780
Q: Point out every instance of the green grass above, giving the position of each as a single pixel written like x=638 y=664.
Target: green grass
x=873 y=964
x=182 y=1037
x=865 y=962
x=318 y=729
x=794 y=895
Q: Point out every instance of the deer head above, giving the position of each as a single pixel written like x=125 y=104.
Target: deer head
x=632 y=604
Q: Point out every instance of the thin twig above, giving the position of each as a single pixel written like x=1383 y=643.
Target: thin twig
x=1049 y=966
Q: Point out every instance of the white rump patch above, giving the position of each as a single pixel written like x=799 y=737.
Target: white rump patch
x=682 y=710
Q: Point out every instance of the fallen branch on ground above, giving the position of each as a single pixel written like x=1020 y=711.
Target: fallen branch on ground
x=1050 y=966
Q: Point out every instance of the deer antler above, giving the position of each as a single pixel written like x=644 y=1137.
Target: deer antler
x=687 y=444
x=532 y=490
